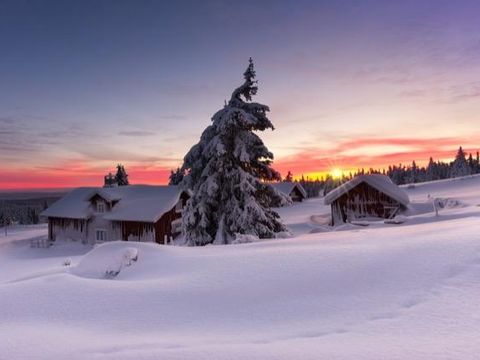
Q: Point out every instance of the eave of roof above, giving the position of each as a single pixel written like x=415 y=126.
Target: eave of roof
x=380 y=182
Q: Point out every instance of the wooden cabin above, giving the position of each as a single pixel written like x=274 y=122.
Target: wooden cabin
x=294 y=190
x=131 y=213
x=366 y=196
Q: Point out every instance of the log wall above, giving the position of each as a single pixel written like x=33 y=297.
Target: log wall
x=363 y=201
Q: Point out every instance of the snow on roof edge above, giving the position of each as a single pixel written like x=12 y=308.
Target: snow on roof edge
x=380 y=182
x=287 y=187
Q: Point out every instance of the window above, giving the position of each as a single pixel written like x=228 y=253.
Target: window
x=101 y=235
x=100 y=207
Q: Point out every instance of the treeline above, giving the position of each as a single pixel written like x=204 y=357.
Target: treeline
x=23 y=211
x=462 y=165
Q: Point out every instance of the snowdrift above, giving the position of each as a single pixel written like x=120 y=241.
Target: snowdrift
x=399 y=291
x=107 y=260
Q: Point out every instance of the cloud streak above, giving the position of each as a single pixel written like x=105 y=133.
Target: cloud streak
x=136 y=133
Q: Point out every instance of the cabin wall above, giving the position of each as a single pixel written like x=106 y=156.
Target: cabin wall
x=363 y=201
x=67 y=229
x=164 y=231
x=296 y=195
x=134 y=231
x=163 y=227
x=97 y=222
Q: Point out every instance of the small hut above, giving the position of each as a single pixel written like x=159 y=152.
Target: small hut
x=294 y=190
x=366 y=196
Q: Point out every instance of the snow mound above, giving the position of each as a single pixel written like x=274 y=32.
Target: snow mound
x=399 y=219
x=245 y=238
x=106 y=261
x=321 y=229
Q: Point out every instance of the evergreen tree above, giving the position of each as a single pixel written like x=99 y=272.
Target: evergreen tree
x=224 y=170
x=176 y=177
x=411 y=173
x=432 y=173
x=471 y=164
x=121 y=177
x=459 y=166
x=289 y=177
x=477 y=163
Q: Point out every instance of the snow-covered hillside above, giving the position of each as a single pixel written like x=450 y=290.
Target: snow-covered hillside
x=408 y=291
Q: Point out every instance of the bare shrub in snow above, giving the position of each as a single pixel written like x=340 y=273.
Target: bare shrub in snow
x=67 y=262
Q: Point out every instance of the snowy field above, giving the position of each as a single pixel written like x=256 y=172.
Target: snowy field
x=408 y=291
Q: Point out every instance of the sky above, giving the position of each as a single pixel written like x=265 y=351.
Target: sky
x=85 y=85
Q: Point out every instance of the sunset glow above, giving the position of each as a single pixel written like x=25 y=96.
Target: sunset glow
x=358 y=90
x=336 y=173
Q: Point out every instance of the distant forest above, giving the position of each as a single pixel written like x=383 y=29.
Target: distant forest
x=24 y=211
x=462 y=165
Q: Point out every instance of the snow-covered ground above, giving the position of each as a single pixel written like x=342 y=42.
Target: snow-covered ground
x=408 y=291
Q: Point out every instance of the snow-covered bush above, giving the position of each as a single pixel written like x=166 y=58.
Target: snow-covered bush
x=130 y=256
x=398 y=219
x=244 y=239
x=106 y=261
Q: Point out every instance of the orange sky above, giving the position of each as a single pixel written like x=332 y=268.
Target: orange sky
x=348 y=87
x=348 y=155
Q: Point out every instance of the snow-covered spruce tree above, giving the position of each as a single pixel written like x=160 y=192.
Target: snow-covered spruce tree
x=431 y=171
x=459 y=166
x=225 y=169
x=289 y=177
x=121 y=177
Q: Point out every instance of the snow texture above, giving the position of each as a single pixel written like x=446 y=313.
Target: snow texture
x=382 y=291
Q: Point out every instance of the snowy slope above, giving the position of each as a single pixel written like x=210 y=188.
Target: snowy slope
x=407 y=291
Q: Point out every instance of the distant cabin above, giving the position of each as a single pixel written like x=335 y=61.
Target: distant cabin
x=133 y=213
x=294 y=190
x=366 y=196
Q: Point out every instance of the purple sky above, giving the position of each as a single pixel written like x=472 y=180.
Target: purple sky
x=87 y=84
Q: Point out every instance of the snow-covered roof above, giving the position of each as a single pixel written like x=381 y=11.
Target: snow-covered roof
x=287 y=187
x=143 y=203
x=73 y=205
x=380 y=182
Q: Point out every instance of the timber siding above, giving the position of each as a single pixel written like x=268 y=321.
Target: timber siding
x=85 y=229
x=364 y=201
x=373 y=195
